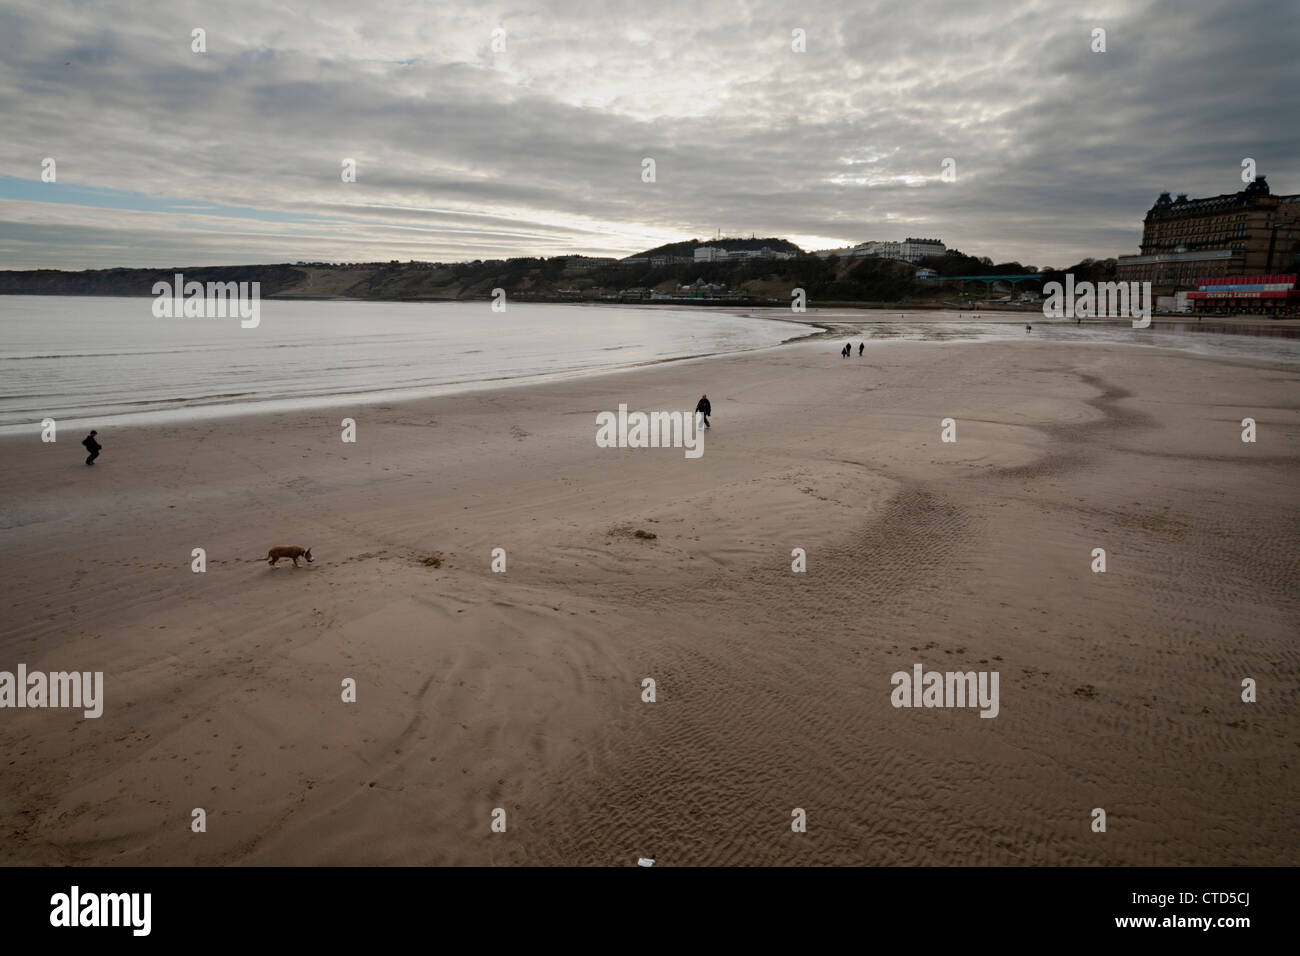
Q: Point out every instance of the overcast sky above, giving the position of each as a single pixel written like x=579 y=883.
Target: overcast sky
x=166 y=157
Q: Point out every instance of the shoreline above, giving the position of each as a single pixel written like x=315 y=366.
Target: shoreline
x=252 y=408
x=1012 y=313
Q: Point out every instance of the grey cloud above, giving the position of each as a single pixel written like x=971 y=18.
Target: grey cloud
x=463 y=154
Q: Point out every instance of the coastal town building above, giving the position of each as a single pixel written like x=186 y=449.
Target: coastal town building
x=914 y=250
x=587 y=263
x=1246 y=233
x=697 y=291
x=718 y=254
x=701 y=288
x=1273 y=294
x=909 y=250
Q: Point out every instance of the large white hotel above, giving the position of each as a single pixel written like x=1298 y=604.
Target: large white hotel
x=909 y=250
x=718 y=254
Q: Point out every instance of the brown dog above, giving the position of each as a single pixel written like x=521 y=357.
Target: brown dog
x=275 y=554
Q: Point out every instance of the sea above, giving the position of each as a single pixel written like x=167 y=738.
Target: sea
x=78 y=358
x=85 y=360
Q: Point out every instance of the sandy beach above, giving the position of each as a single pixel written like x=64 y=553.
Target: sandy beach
x=523 y=690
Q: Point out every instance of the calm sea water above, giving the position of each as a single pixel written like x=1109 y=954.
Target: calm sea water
x=71 y=357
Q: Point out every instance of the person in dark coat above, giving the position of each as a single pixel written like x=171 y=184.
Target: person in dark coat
x=92 y=446
x=702 y=407
x=861 y=346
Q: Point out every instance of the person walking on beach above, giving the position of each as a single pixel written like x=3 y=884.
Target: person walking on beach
x=861 y=346
x=702 y=407
x=92 y=446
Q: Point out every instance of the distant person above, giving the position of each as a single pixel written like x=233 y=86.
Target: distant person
x=861 y=346
x=92 y=446
x=702 y=407
x=1029 y=328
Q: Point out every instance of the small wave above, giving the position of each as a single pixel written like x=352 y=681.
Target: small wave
x=68 y=355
